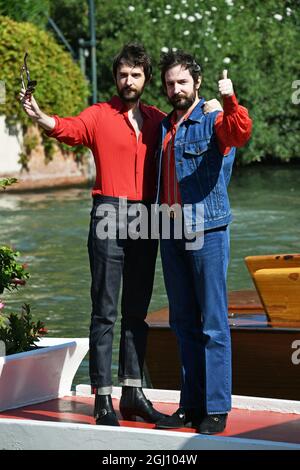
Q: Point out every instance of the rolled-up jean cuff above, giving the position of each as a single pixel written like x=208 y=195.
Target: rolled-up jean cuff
x=102 y=390
x=130 y=382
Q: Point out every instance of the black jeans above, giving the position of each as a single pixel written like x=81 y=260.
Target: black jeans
x=112 y=261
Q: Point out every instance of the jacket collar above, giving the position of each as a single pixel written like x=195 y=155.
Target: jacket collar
x=196 y=114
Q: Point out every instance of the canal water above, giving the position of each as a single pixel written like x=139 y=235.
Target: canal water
x=50 y=230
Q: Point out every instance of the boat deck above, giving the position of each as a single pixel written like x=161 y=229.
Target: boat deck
x=246 y=424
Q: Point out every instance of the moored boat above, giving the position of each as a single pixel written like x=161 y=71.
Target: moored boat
x=265 y=355
x=265 y=333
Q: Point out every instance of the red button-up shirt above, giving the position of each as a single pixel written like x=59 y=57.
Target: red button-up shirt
x=125 y=165
x=233 y=129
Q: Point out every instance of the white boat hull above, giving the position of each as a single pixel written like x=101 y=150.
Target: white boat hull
x=41 y=374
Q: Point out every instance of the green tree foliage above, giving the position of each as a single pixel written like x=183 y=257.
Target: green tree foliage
x=61 y=88
x=258 y=42
x=26 y=10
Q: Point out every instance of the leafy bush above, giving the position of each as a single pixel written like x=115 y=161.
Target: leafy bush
x=12 y=273
x=61 y=87
x=5 y=182
x=19 y=332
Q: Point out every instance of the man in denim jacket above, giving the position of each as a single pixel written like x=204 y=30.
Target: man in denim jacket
x=195 y=157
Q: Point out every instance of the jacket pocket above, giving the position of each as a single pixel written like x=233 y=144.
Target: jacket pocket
x=195 y=149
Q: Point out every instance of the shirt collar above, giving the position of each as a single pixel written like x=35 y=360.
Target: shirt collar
x=195 y=115
x=118 y=107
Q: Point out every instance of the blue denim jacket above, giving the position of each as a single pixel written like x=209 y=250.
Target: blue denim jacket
x=202 y=171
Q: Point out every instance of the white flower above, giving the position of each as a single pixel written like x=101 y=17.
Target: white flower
x=177 y=16
x=174 y=49
x=198 y=16
x=205 y=59
x=168 y=7
x=219 y=45
x=183 y=15
x=289 y=11
x=229 y=3
x=183 y=2
x=208 y=13
x=154 y=20
x=226 y=60
x=167 y=12
x=148 y=10
x=278 y=17
x=186 y=32
x=131 y=8
x=228 y=17
x=258 y=18
x=242 y=7
x=164 y=49
x=191 y=19
x=213 y=8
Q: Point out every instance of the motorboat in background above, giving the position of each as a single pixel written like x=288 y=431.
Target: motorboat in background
x=265 y=332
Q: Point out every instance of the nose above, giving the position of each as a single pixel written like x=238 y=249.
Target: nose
x=176 y=89
x=129 y=80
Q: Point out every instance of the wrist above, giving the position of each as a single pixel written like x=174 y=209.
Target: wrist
x=230 y=104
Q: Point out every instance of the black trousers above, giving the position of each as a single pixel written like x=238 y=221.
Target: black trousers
x=113 y=261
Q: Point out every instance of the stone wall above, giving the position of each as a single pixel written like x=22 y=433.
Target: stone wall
x=62 y=170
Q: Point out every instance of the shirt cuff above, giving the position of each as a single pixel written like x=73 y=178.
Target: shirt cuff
x=230 y=104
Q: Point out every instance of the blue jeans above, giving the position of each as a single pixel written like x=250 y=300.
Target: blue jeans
x=196 y=286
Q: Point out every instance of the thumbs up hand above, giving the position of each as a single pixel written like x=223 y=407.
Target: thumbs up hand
x=225 y=85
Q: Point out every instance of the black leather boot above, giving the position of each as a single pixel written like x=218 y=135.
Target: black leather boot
x=213 y=424
x=182 y=418
x=134 y=403
x=104 y=411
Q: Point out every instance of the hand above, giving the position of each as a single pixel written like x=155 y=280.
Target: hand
x=30 y=106
x=212 y=105
x=225 y=85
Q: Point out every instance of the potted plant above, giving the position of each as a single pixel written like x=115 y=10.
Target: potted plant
x=32 y=369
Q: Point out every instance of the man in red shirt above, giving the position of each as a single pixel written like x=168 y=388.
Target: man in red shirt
x=122 y=135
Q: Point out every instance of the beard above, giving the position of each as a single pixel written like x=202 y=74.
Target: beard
x=182 y=102
x=130 y=95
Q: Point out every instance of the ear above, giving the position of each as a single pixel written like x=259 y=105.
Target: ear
x=198 y=83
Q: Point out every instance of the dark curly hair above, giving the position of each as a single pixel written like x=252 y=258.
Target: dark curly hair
x=133 y=54
x=172 y=58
